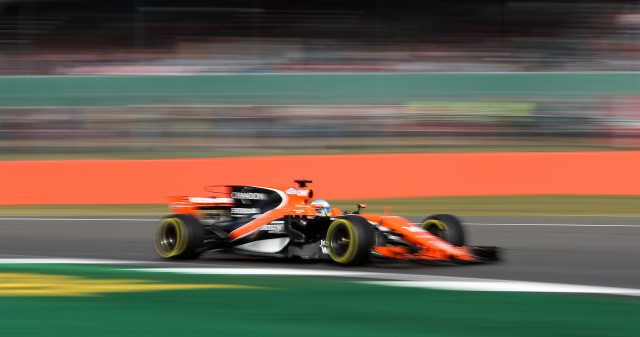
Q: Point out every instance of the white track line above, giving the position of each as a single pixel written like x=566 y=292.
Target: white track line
x=510 y=286
x=325 y=73
x=548 y=225
x=260 y=271
x=541 y=224
x=391 y=279
x=67 y=261
x=78 y=219
x=470 y=223
x=300 y=272
x=413 y=281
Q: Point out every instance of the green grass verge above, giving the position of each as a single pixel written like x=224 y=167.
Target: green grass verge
x=294 y=306
x=485 y=205
x=119 y=153
x=508 y=205
x=84 y=210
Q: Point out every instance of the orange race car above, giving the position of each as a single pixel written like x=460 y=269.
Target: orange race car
x=286 y=222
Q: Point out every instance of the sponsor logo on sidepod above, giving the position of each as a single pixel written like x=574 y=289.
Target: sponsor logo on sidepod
x=274 y=227
x=245 y=210
x=249 y=195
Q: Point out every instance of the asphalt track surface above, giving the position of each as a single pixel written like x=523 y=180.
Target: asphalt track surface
x=602 y=251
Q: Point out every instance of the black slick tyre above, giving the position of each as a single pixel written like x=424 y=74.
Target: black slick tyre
x=349 y=240
x=446 y=227
x=179 y=237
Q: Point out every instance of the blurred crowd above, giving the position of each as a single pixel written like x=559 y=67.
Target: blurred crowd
x=428 y=126
x=119 y=37
x=194 y=37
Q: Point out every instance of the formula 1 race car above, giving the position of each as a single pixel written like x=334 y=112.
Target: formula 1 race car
x=286 y=223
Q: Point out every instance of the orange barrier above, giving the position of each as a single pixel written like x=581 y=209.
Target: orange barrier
x=335 y=176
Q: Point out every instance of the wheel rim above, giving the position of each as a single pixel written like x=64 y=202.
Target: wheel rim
x=169 y=238
x=435 y=227
x=340 y=241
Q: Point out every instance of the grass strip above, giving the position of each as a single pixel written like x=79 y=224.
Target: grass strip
x=482 y=205
x=290 y=306
x=149 y=153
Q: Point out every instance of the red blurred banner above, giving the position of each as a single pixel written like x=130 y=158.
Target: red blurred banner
x=335 y=176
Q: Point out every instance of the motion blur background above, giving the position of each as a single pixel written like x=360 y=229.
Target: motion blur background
x=142 y=79
x=116 y=78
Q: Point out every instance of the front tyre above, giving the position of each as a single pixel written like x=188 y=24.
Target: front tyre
x=445 y=226
x=349 y=240
x=179 y=237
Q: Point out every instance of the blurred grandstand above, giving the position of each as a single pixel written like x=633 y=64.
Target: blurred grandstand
x=196 y=37
x=201 y=38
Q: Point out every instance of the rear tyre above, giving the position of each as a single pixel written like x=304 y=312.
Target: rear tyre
x=446 y=227
x=179 y=237
x=349 y=240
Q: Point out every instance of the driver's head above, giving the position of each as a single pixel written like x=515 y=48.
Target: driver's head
x=322 y=207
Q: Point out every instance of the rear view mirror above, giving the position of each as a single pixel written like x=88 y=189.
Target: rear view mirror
x=360 y=206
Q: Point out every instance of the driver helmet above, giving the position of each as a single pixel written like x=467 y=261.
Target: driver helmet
x=322 y=207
